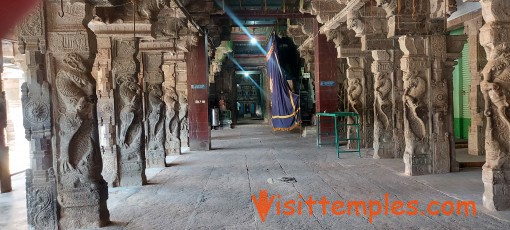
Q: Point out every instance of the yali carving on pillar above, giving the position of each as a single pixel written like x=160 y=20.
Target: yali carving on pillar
x=414 y=91
x=183 y=117
x=76 y=93
x=131 y=109
x=383 y=86
x=156 y=118
x=173 y=144
x=495 y=87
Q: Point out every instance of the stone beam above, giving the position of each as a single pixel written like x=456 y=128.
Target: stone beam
x=341 y=17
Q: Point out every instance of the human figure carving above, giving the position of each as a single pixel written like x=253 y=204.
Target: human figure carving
x=76 y=126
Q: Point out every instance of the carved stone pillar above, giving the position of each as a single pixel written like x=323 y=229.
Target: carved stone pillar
x=102 y=72
x=5 y=174
x=427 y=65
x=477 y=60
x=128 y=112
x=360 y=97
x=174 y=70
x=41 y=189
x=155 y=109
x=388 y=124
x=495 y=87
x=416 y=67
x=81 y=189
x=388 y=135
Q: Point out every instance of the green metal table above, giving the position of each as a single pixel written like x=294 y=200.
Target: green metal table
x=339 y=119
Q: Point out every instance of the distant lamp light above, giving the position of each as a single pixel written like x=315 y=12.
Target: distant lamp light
x=253 y=41
x=246 y=75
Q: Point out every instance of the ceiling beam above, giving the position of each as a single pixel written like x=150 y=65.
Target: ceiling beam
x=256 y=14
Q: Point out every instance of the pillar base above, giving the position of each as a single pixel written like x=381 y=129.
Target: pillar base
x=155 y=159
x=496 y=195
x=84 y=207
x=200 y=145
x=417 y=164
x=383 y=152
x=132 y=174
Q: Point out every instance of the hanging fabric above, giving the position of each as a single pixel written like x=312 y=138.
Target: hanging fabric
x=284 y=103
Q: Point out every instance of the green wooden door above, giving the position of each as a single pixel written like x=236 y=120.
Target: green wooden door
x=461 y=87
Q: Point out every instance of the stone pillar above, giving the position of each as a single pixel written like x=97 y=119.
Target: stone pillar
x=199 y=131
x=360 y=97
x=82 y=191
x=416 y=67
x=155 y=109
x=102 y=72
x=428 y=117
x=388 y=124
x=174 y=67
x=267 y=96
x=495 y=87
x=128 y=112
x=388 y=135
x=41 y=188
x=5 y=174
x=477 y=60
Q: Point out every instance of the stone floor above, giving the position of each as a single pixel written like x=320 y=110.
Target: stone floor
x=212 y=190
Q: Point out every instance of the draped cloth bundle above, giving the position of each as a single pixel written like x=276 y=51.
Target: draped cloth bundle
x=285 y=104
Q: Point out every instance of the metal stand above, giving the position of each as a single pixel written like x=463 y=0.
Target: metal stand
x=339 y=121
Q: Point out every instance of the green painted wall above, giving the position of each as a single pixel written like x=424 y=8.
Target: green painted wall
x=461 y=87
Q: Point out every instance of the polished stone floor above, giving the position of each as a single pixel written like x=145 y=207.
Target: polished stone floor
x=212 y=190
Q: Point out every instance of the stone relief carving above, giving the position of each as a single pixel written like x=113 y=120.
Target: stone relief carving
x=156 y=118
x=173 y=142
x=42 y=202
x=171 y=23
x=494 y=86
x=383 y=87
x=354 y=93
x=388 y=5
x=36 y=110
x=130 y=111
x=76 y=124
x=414 y=91
x=355 y=23
x=183 y=118
x=32 y=26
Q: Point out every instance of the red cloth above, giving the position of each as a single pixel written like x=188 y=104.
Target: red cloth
x=11 y=11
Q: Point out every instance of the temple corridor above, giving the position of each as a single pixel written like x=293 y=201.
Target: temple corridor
x=237 y=114
x=211 y=189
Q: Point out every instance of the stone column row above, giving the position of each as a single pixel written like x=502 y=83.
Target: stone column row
x=62 y=102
